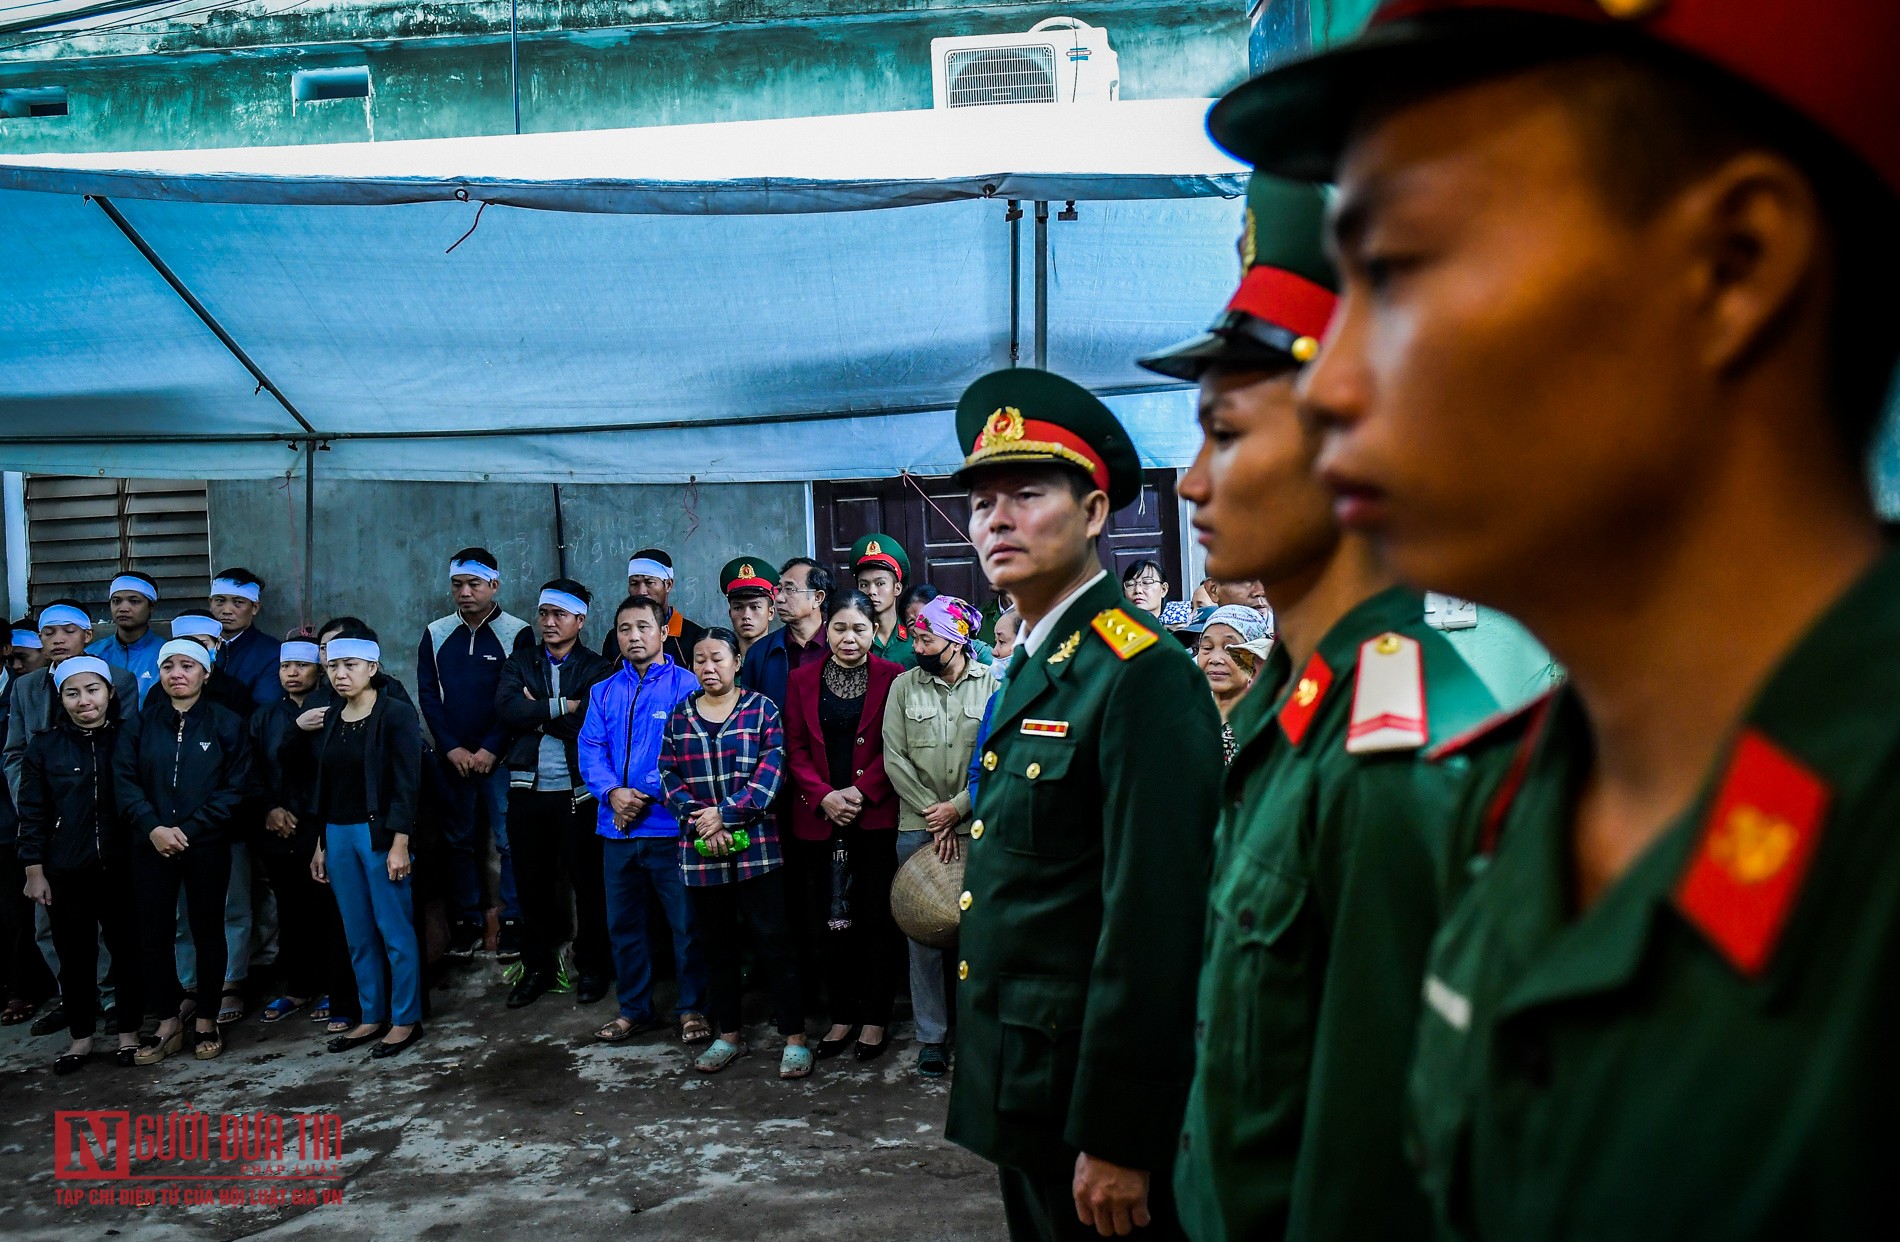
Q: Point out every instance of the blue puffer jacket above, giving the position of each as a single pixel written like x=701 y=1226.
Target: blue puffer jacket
x=620 y=742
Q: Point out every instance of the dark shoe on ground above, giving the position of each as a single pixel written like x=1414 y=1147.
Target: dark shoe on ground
x=931 y=1061
x=52 y=1020
x=829 y=1048
x=70 y=1062
x=346 y=1041
x=465 y=940
x=530 y=989
x=388 y=1049
x=508 y=941
x=871 y=1052
x=588 y=989
x=128 y=1054
x=612 y=1032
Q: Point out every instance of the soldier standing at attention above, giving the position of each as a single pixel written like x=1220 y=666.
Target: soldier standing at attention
x=882 y=569
x=1087 y=871
x=1326 y=868
x=1615 y=336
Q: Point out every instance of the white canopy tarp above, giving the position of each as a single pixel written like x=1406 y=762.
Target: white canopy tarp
x=754 y=300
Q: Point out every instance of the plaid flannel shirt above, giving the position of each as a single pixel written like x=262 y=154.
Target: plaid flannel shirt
x=738 y=769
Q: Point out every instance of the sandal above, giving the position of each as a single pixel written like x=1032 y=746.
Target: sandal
x=796 y=1063
x=207 y=1044
x=231 y=1007
x=338 y=1026
x=614 y=1033
x=320 y=1012
x=154 y=1050
x=127 y=1054
x=18 y=1011
x=280 y=1009
x=694 y=1027
x=718 y=1055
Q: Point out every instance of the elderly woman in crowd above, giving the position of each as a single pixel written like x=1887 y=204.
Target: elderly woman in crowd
x=844 y=810
x=930 y=732
x=1229 y=653
x=721 y=764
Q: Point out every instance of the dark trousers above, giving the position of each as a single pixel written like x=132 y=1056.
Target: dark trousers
x=204 y=871
x=864 y=962
x=312 y=951
x=724 y=912
x=807 y=898
x=640 y=873
x=1040 y=1207
x=23 y=973
x=549 y=838
x=87 y=902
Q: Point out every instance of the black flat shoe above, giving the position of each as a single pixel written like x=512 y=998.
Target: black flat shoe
x=345 y=1042
x=387 y=1049
x=530 y=989
x=70 y=1062
x=829 y=1048
x=589 y=989
x=871 y=1052
x=52 y=1020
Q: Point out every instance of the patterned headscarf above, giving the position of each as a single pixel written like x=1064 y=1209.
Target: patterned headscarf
x=949 y=618
x=1246 y=622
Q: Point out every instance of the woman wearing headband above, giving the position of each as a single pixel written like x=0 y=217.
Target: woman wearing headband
x=181 y=769
x=77 y=856
x=369 y=764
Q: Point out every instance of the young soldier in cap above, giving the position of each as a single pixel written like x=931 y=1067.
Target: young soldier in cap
x=1615 y=333
x=881 y=567
x=650 y=574
x=749 y=583
x=133 y=644
x=1087 y=870
x=245 y=652
x=1324 y=896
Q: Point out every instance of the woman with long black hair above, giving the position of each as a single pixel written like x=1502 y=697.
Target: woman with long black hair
x=181 y=768
x=368 y=767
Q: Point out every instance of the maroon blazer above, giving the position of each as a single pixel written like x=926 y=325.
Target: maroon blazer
x=810 y=765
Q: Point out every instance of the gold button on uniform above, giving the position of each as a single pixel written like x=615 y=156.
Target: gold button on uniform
x=963 y=970
x=963 y=902
x=1034 y=770
x=976 y=831
x=989 y=761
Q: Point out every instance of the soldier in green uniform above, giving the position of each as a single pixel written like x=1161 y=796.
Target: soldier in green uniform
x=1087 y=870
x=749 y=583
x=1616 y=331
x=882 y=569
x=1333 y=830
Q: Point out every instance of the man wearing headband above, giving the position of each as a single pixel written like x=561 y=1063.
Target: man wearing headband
x=749 y=583
x=244 y=651
x=64 y=630
x=25 y=976
x=133 y=644
x=650 y=574
x=458 y=668
x=1614 y=353
x=542 y=700
x=930 y=728
x=25 y=651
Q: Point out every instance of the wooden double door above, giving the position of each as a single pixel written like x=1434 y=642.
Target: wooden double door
x=930 y=516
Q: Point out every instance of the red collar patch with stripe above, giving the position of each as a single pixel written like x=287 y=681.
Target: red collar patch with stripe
x=1746 y=872
x=1302 y=702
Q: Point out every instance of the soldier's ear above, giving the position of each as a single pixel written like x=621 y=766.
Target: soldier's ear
x=1095 y=506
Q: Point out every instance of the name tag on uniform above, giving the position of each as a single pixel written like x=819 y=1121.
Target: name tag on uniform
x=1046 y=728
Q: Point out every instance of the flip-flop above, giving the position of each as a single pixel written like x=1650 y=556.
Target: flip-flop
x=613 y=1033
x=280 y=1009
x=320 y=1012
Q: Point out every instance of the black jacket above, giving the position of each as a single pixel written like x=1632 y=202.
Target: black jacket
x=285 y=773
x=528 y=720
x=192 y=771
x=392 y=767
x=9 y=820
x=68 y=808
x=229 y=693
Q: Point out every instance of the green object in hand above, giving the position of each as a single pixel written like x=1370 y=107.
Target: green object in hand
x=740 y=840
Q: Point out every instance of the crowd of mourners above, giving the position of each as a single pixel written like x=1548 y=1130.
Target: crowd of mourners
x=188 y=819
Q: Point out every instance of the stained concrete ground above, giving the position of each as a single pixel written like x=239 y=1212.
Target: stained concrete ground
x=513 y=1123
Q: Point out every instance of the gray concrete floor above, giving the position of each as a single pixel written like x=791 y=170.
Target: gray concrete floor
x=512 y=1123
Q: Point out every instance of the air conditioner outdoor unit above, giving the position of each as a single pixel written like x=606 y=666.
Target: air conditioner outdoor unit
x=1060 y=60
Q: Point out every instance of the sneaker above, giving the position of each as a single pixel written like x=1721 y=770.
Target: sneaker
x=508 y=942
x=465 y=939
x=931 y=1061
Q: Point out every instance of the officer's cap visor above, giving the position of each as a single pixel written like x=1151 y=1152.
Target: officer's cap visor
x=1235 y=343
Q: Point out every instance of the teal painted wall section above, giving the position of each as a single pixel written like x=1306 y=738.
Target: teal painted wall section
x=1513 y=663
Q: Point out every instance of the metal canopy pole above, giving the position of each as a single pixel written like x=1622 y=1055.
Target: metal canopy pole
x=309 y=528
x=514 y=61
x=1015 y=217
x=1042 y=284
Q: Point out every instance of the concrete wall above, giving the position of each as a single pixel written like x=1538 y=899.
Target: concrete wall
x=383 y=548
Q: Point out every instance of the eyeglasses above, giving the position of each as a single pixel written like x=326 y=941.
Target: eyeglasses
x=795 y=590
x=1143 y=582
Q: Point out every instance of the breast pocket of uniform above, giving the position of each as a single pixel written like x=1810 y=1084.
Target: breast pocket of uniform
x=920 y=724
x=1041 y=1018
x=1254 y=992
x=1041 y=779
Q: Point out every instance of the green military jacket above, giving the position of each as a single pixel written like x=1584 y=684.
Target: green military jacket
x=1324 y=900
x=1087 y=886
x=897 y=648
x=1708 y=1050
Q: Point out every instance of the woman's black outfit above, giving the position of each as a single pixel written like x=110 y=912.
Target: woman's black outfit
x=861 y=958
x=311 y=949
x=69 y=826
x=191 y=771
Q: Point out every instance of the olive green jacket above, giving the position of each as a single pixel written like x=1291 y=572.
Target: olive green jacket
x=1324 y=900
x=1707 y=1051
x=930 y=729
x=1087 y=879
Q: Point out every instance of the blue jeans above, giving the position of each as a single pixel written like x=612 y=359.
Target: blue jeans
x=378 y=922
x=928 y=1004
x=471 y=799
x=638 y=871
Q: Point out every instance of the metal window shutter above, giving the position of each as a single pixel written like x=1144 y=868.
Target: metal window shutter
x=82 y=532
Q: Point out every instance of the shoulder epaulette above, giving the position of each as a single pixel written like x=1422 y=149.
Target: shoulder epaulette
x=1388 y=697
x=1125 y=636
x=1492 y=726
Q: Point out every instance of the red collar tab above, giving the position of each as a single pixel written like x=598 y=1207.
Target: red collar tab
x=1286 y=300
x=1755 y=848
x=1837 y=64
x=1303 y=700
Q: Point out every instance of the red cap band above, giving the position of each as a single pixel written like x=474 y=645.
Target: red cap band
x=1286 y=300
x=752 y=584
x=1051 y=433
